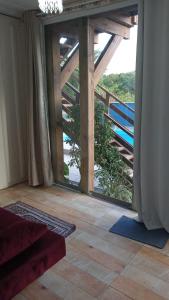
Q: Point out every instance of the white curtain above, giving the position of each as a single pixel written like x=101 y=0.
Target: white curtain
x=151 y=170
x=12 y=102
x=39 y=154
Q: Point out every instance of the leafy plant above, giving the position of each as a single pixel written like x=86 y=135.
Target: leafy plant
x=111 y=170
x=66 y=170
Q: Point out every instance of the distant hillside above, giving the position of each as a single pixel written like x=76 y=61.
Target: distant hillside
x=122 y=85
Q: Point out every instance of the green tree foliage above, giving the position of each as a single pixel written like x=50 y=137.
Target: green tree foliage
x=122 y=85
x=73 y=129
x=111 y=170
x=74 y=82
x=73 y=79
x=66 y=170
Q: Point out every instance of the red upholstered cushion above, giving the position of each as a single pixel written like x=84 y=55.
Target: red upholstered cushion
x=17 y=234
x=29 y=265
x=7 y=218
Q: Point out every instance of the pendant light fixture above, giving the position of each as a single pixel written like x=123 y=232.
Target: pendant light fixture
x=51 y=6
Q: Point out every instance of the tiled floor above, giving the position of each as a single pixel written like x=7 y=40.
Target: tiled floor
x=98 y=265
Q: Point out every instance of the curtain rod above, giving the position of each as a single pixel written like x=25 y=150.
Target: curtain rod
x=10 y=16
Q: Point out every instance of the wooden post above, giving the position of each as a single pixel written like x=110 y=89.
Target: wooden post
x=86 y=64
x=55 y=103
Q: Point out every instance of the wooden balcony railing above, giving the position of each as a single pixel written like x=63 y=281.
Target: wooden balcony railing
x=127 y=149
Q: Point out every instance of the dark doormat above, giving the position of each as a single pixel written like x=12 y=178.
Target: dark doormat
x=134 y=230
x=33 y=214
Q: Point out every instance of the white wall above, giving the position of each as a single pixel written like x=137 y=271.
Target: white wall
x=12 y=102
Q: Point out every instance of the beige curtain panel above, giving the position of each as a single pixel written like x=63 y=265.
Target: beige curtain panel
x=151 y=170
x=39 y=154
x=12 y=102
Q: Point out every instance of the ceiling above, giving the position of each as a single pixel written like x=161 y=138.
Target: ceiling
x=19 y=5
x=72 y=8
x=22 y=5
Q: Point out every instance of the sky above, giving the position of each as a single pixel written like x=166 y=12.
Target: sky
x=124 y=59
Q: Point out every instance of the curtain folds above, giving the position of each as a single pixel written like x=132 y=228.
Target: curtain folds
x=39 y=154
x=151 y=170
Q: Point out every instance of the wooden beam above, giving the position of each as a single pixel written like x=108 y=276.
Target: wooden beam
x=105 y=57
x=72 y=64
x=87 y=105
x=69 y=28
x=111 y=27
x=55 y=104
x=119 y=18
x=69 y=67
x=134 y=20
x=96 y=38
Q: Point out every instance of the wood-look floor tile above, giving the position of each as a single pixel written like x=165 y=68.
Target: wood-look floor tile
x=112 y=294
x=91 y=267
x=148 y=264
x=64 y=193
x=60 y=210
x=37 y=291
x=20 y=297
x=63 y=288
x=108 y=261
x=108 y=247
x=134 y=290
x=156 y=255
x=146 y=279
x=99 y=264
x=79 y=278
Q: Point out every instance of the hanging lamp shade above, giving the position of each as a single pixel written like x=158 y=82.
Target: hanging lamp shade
x=51 y=6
